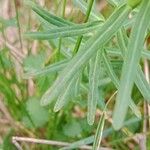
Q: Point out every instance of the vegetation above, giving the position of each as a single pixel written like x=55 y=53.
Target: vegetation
x=70 y=71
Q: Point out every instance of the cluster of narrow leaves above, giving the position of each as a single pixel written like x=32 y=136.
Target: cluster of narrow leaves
x=93 y=59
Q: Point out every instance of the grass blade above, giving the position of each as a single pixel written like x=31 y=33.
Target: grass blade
x=99 y=132
x=130 y=64
x=103 y=35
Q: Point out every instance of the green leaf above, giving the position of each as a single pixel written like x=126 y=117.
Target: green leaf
x=50 y=18
x=38 y=114
x=116 y=52
x=93 y=95
x=34 y=62
x=140 y=79
x=52 y=68
x=130 y=64
x=77 y=86
x=115 y=80
x=73 y=30
x=64 y=96
x=106 y=132
x=103 y=35
x=72 y=129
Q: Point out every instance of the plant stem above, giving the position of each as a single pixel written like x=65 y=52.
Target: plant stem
x=60 y=40
x=79 y=40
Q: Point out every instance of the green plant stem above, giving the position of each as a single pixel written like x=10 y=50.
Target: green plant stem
x=64 y=8
x=60 y=40
x=79 y=40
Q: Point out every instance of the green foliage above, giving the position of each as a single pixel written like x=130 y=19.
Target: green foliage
x=34 y=62
x=93 y=96
x=99 y=132
x=72 y=129
x=79 y=62
x=130 y=64
x=39 y=115
x=85 y=54
x=72 y=30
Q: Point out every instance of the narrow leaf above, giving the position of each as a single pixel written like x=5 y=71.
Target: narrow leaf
x=77 y=86
x=115 y=80
x=116 y=52
x=73 y=30
x=130 y=64
x=50 y=18
x=93 y=95
x=140 y=79
x=64 y=96
x=103 y=35
x=48 y=69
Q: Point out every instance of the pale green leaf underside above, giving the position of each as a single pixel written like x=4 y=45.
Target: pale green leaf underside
x=60 y=65
x=102 y=36
x=140 y=79
x=130 y=64
x=93 y=94
x=64 y=95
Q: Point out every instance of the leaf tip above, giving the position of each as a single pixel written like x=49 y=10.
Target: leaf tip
x=117 y=125
x=44 y=101
x=56 y=108
x=90 y=120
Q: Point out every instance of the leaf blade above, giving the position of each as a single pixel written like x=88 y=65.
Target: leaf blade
x=85 y=53
x=115 y=80
x=129 y=67
x=73 y=30
x=93 y=94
